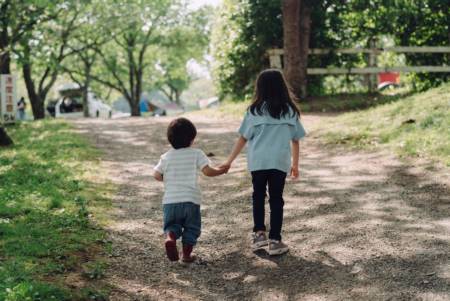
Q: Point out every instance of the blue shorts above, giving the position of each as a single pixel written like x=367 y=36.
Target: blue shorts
x=184 y=220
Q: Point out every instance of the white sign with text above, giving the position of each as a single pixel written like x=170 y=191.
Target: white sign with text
x=8 y=103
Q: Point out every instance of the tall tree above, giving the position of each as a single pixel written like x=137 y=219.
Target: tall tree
x=296 y=36
x=186 y=41
x=18 y=18
x=90 y=35
x=135 y=27
x=243 y=31
x=41 y=53
x=291 y=44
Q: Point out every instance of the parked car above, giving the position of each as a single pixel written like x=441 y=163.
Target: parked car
x=70 y=104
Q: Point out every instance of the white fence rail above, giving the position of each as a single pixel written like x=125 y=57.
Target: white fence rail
x=376 y=70
x=275 y=56
x=398 y=49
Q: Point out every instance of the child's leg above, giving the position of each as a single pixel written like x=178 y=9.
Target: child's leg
x=191 y=229
x=172 y=229
x=276 y=181
x=259 y=180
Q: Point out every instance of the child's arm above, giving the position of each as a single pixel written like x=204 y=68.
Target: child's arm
x=295 y=156
x=213 y=172
x=158 y=176
x=238 y=146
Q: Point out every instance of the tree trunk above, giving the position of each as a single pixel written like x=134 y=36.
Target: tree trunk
x=177 y=97
x=5 y=63
x=305 y=33
x=136 y=96
x=291 y=44
x=87 y=83
x=5 y=56
x=134 y=105
x=135 y=108
x=85 y=99
x=36 y=100
x=296 y=35
x=5 y=140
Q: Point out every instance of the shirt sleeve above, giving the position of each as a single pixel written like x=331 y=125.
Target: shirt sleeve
x=160 y=166
x=202 y=160
x=246 y=128
x=298 y=131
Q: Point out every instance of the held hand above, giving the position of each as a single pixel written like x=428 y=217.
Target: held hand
x=294 y=172
x=225 y=167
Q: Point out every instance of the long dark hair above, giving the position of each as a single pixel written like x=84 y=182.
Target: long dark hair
x=272 y=95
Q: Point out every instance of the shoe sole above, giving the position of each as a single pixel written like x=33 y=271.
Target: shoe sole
x=278 y=251
x=171 y=250
x=259 y=245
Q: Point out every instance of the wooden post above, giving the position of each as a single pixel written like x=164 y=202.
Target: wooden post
x=372 y=79
x=275 y=60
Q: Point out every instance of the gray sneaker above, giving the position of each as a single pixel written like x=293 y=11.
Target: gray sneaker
x=259 y=241
x=276 y=247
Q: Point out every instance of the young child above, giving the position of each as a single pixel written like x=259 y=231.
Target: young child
x=178 y=168
x=270 y=125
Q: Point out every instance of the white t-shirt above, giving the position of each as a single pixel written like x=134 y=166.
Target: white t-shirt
x=180 y=168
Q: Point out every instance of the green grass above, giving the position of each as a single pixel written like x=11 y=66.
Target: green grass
x=46 y=197
x=417 y=125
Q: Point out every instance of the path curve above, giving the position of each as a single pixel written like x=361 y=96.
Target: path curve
x=361 y=226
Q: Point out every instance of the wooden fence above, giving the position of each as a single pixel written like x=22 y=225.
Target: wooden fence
x=275 y=56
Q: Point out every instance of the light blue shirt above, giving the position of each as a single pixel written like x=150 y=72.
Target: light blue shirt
x=269 y=140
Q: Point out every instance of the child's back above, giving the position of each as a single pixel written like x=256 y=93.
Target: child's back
x=271 y=127
x=180 y=168
x=269 y=140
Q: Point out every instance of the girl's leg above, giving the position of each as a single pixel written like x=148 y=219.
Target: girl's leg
x=259 y=180
x=276 y=182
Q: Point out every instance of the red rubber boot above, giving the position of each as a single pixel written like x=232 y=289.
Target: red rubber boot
x=171 y=247
x=186 y=256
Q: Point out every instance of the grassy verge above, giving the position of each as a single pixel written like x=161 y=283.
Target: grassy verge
x=48 y=244
x=417 y=125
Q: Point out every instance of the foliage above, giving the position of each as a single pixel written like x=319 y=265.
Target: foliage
x=19 y=18
x=150 y=46
x=415 y=126
x=186 y=41
x=135 y=28
x=409 y=22
x=252 y=27
x=41 y=50
x=244 y=30
x=45 y=200
x=426 y=24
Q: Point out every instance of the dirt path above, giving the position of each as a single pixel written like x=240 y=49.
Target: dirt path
x=361 y=226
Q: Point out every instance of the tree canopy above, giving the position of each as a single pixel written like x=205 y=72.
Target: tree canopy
x=127 y=46
x=254 y=26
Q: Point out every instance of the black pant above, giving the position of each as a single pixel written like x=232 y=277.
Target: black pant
x=275 y=179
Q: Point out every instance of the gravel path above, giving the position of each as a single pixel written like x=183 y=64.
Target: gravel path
x=361 y=226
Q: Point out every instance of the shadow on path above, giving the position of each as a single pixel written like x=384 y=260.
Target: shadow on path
x=361 y=226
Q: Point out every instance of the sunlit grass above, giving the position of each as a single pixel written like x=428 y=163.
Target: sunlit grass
x=408 y=124
x=418 y=125
x=46 y=198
